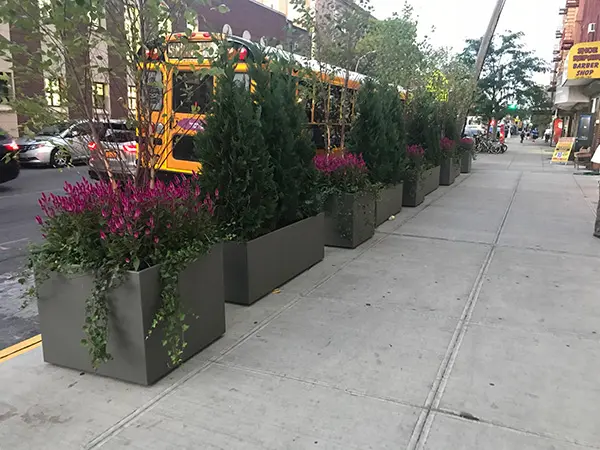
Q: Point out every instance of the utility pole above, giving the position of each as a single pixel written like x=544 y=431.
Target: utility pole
x=487 y=37
x=486 y=40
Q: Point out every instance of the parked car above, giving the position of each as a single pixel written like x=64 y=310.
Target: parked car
x=9 y=164
x=63 y=143
x=120 y=152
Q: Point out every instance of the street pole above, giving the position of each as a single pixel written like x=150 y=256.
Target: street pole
x=487 y=37
x=486 y=40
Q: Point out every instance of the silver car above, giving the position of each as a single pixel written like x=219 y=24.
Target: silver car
x=120 y=154
x=61 y=144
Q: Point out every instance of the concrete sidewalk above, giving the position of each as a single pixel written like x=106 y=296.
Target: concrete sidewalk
x=471 y=322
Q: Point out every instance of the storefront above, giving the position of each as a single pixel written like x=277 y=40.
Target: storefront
x=579 y=97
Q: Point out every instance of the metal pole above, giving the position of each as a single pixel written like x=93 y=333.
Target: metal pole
x=486 y=40
x=487 y=37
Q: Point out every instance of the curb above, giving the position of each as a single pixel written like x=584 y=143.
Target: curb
x=20 y=348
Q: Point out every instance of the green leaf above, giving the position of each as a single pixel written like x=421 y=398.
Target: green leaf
x=136 y=263
x=222 y=8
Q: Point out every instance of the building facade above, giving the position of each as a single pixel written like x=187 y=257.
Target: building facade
x=576 y=82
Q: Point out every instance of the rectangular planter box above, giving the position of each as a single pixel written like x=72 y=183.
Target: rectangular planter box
x=447 y=172
x=388 y=203
x=456 y=170
x=137 y=357
x=254 y=268
x=466 y=162
x=349 y=220
x=414 y=195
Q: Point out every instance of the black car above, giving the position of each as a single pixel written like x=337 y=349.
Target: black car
x=9 y=164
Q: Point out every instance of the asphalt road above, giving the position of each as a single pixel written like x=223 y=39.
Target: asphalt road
x=18 y=228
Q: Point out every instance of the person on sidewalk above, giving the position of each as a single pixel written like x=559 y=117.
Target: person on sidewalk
x=522 y=136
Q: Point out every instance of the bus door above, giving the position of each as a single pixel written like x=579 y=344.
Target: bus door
x=188 y=101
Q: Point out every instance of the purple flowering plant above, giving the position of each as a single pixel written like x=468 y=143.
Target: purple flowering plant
x=99 y=229
x=415 y=152
x=343 y=173
x=447 y=145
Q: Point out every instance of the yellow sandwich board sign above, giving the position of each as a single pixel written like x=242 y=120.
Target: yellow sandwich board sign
x=563 y=150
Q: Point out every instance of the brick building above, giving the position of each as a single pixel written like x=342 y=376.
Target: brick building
x=577 y=72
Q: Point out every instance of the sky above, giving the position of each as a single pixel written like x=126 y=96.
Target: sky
x=458 y=20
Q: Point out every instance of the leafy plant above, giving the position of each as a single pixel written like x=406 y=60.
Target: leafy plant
x=345 y=173
x=285 y=132
x=423 y=125
x=235 y=159
x=97 y=229
x=341 y=174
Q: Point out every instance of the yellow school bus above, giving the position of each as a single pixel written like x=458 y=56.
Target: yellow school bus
x=184 y=95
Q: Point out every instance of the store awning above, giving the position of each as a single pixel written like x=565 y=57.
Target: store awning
x=568 y=97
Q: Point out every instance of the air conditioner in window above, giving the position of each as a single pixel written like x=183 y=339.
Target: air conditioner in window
x=592 y=28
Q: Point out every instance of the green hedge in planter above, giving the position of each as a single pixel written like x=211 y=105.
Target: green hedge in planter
x=256 y=152
x=378 y=135
x=236 y=161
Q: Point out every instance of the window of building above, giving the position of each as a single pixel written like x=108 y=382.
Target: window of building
x=131 y=98
x=52 y=89
x=100 y=95
x=5 y=87
x=192 y=92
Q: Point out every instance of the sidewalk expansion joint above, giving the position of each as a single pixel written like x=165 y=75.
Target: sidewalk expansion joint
x=317 y=383
x=465 y=416
x=432 y=402
x=115 y=429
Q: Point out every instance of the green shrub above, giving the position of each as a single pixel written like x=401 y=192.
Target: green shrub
x=286 y=135
x=236 y=162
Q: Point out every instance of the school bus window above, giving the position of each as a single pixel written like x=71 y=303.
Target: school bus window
x=152 y=87
x=305 y=95
x=192 y=92
x=320 y=106
x=184 y=148
x=348 y=105
x=335 y=103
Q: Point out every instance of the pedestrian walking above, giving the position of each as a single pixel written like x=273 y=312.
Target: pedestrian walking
x=522 y=135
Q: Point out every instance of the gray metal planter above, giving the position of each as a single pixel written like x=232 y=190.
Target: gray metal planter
x=254 y=268
x=349 y=220
x=466 y=162
x=137 y=357
x=447 y=172
x=415 y=192
x=388 y=203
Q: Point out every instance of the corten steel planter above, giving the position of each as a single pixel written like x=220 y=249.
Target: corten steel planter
x=137 y=357
x=447 y=172
x=466 y=162
x=415 y=192
x=388 y=203
x=349 y=219
x=254 y=268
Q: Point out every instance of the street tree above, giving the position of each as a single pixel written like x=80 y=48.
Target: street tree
x=397 y=55
x=335 y=28
x=507 y=77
